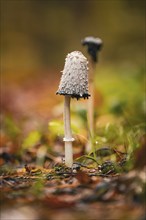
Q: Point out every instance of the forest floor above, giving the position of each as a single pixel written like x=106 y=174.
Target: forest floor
x=32 y=192
x=35 y=184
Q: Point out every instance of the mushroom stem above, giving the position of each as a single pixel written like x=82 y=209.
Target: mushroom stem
x=68 y=134
x=91 y=100
x=90 y=112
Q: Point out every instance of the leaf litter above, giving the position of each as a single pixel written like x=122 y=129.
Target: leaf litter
x=74 y=192
x=108 y=184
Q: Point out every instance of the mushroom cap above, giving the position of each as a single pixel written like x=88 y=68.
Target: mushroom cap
x=74 y=80
x=92 y=40
x=94 y=45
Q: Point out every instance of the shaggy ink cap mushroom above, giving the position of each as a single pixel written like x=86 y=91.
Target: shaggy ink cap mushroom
x=94 y=45
x=74 y=80
x=73 y=84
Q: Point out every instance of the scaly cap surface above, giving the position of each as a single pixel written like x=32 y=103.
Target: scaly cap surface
x=74 y=80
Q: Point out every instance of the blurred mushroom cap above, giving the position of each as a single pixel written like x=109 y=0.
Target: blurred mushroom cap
x=94 y=45
x=92 y=40
x=74 y=80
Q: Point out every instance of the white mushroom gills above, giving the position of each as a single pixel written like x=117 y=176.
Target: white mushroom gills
x=73 y=84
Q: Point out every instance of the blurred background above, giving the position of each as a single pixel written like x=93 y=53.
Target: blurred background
x=36 y=36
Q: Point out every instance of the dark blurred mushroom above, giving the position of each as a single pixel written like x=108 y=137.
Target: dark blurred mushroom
x=73 y=84
x=94 y=45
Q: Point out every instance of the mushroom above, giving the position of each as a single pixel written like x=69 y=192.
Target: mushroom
x=73 y=84
x=94 y=45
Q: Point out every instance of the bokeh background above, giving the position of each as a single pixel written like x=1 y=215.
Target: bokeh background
x=36 y=36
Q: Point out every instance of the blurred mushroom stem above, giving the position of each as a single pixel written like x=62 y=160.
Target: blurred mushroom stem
x=68 y=139
x=90 y=112
x=93 y=47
